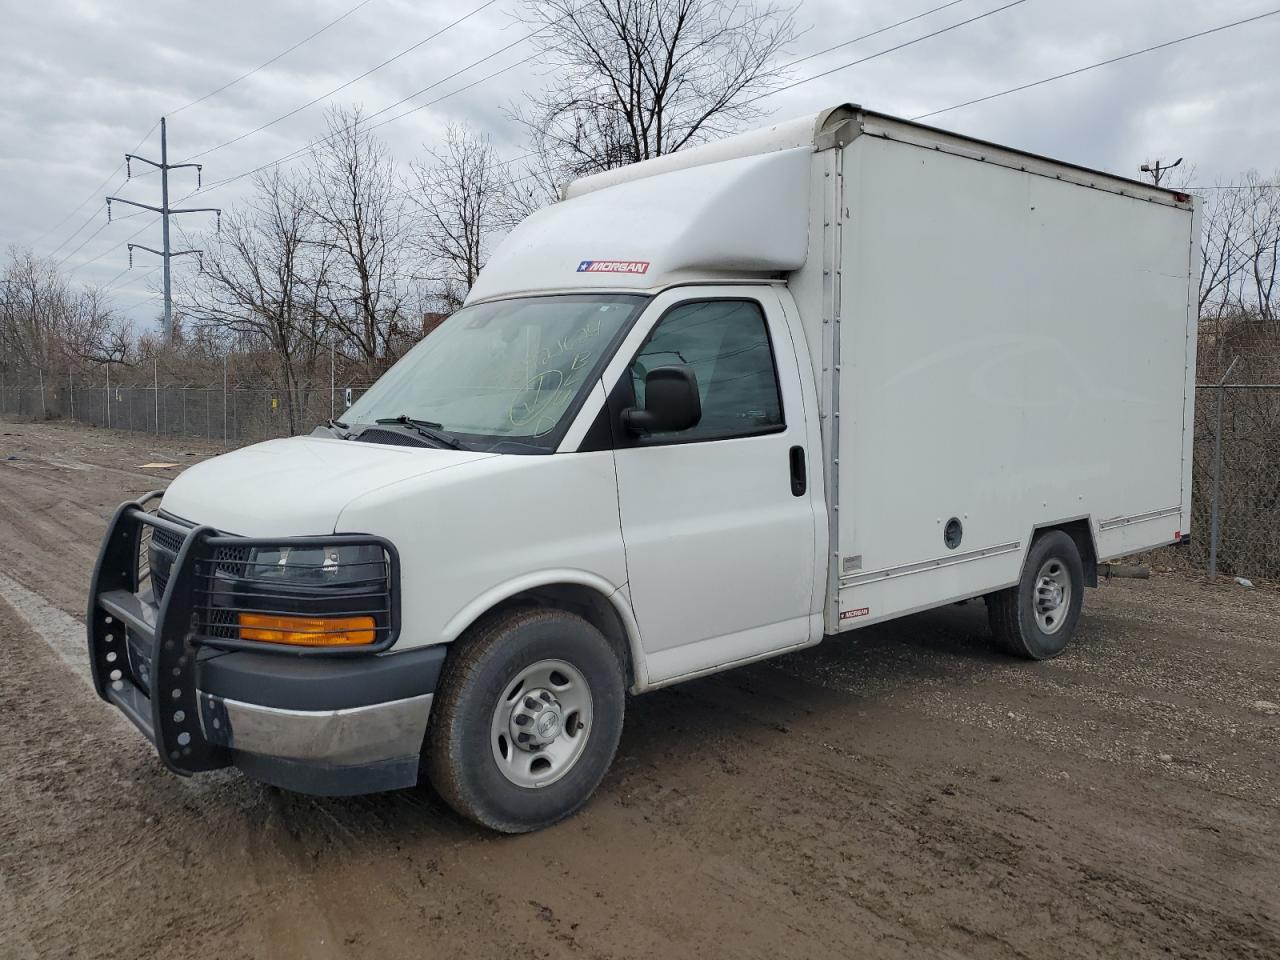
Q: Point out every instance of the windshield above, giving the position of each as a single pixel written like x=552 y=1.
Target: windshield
x=502 y=373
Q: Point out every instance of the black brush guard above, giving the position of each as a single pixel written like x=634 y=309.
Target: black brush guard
x=174 y=627
x=170 y=717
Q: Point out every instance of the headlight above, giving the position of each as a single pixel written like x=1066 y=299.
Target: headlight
x=308 y=594
x=345 y=565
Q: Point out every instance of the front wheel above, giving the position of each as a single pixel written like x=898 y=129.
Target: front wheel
x=1036 y=618
x=526 y=720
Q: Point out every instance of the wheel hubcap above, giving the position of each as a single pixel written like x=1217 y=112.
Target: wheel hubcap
x=537 y=720
x=1052 y=595
x=541 y=723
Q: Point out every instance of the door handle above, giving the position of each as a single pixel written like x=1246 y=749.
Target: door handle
x=799 y=479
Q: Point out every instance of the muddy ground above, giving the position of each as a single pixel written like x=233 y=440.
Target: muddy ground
x=905 y=793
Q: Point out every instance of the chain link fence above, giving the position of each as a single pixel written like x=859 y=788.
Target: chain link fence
x=233 y=414
x=1235 y=487
x=1235 y=475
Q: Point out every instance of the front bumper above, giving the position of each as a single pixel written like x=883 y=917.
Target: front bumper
x=331 y=752
x=322 y=724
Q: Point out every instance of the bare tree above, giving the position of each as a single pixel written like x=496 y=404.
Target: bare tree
x=1239 y=299
x=359 y=207
x=46 y=323
x=1240 y=248
x=35 y=306
x=461 y=200
x=264 y=279
x=93 y=332
x=635 y=79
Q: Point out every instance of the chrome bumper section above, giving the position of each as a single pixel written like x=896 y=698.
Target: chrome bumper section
x=348 y=737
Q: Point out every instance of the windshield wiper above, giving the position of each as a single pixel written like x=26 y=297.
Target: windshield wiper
x=425 y=428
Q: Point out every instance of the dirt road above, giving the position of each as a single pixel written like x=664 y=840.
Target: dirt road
x=905 y=793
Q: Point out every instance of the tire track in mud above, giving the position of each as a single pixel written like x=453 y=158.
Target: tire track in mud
x=64 y=634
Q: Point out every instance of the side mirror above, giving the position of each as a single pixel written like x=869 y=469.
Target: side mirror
x=671 y=402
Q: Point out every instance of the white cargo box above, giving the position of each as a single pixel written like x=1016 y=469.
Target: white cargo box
x=1004 y=341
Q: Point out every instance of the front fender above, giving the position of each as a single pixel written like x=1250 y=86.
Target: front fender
x=616 y=596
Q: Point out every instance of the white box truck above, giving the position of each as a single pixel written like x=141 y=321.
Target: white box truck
x=709 y=408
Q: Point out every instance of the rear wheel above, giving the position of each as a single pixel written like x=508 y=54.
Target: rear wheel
x=1036 y=618
x=526 y=720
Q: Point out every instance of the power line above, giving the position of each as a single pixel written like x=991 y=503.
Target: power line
x=139 y=302
x=137 y=233
x=868 y=36
x=454 y=93
x=308 y=147
x=96 y=192
x=313 y=144
x=881 y=53
x=1100 y=63
x=106 y=287
x=88 y=220
x=1237 y=186
x=101 y=227
x=264 y=65
x=343 y=86
x=54 y=252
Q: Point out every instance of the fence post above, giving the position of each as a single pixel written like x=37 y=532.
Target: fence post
x=1217 y=472
x=155 y=368
x=224 y=401
x=108 y=394
x=333 y=387
x=71 y=393
x=44 y=411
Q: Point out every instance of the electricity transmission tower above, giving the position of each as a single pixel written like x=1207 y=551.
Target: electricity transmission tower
x=165 y=211
x=1157 y=171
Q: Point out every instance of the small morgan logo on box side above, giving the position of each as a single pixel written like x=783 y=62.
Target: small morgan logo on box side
x=613 y=266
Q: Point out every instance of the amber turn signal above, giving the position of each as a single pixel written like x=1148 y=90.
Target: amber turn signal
x=306 y=631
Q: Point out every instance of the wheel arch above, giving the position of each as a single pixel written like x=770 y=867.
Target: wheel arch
x=591 y=597
x=1079 y=529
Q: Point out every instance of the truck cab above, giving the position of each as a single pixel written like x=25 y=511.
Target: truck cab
x=617 y=467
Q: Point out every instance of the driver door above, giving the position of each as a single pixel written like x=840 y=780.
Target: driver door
x=717 y=520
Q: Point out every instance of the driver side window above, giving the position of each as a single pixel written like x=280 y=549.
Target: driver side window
x=726 y=345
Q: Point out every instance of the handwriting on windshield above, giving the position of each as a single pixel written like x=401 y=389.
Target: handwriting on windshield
x=550 y=390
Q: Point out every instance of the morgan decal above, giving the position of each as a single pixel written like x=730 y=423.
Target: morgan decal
x=613 y=266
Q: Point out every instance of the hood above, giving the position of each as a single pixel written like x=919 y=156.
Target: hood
x=296 y=487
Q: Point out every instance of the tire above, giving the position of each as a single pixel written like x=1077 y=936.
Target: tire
x=1023 y=618
x=559 y=667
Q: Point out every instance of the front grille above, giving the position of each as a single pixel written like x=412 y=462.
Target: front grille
x=231 y=560
x=165 y=538
x=160 y=554
x=223 y=625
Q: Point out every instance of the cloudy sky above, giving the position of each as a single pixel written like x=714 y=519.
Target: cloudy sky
x=82 y=81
